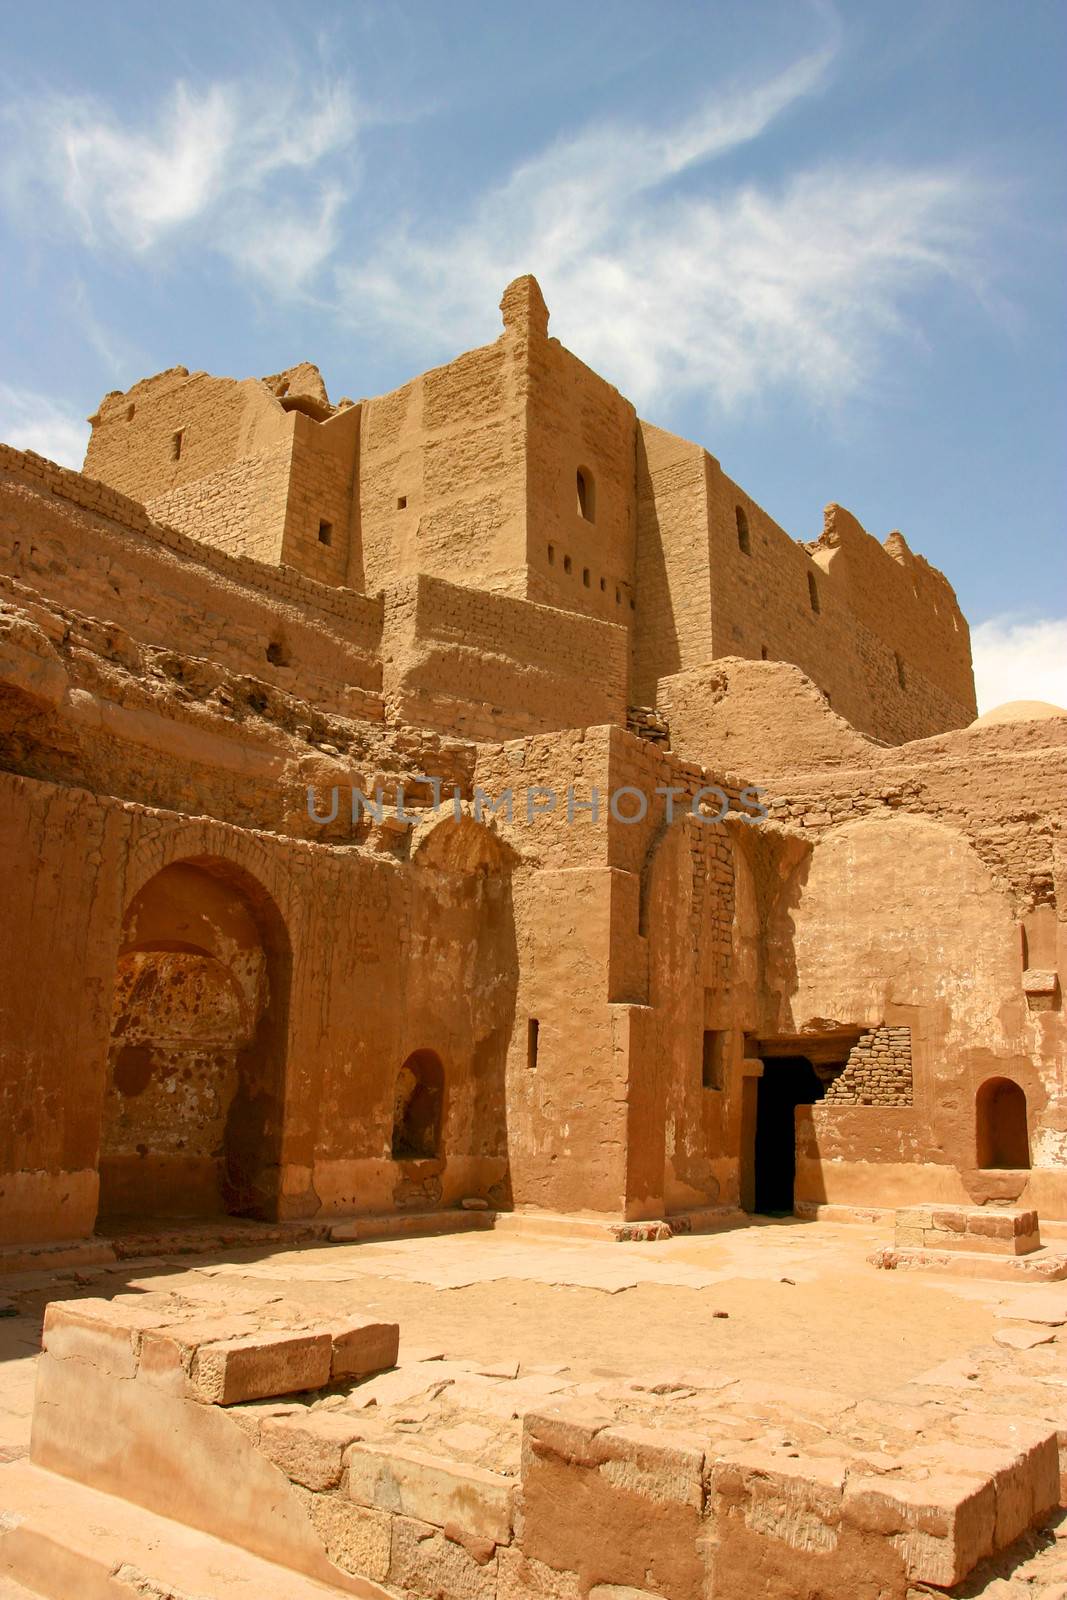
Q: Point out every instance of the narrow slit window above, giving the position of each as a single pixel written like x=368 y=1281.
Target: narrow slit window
x=401 y=502
x=533 y=1029
x=902 y=679
x=177 y=439
x=586 y=494
x=813 y=593
x=326 y=533
x=744 y=544
x=552 y=555
x=585 y=576
x=567 y=563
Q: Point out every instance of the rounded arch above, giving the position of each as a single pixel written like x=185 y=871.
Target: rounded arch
x=418 y=1107
x=462 y=844
x=1002 y=1139
x=194 y=1095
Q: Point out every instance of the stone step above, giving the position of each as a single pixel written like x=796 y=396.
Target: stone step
x=1039 y=1266
x=61 y=1539
x=409 y=1225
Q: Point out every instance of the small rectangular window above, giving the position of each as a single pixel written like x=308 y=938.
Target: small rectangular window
x=712 y=1074
x=401 y=502
x=176 y=441
x=326 y=533
x=533 y=1028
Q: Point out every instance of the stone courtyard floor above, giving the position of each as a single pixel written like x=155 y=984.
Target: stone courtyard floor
x=783 y=1305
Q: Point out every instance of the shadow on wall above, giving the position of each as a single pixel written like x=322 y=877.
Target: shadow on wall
x=450 y=1129
x=192 y=1116
x=660 y=657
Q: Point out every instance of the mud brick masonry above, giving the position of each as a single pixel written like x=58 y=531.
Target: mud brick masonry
x=498 y=577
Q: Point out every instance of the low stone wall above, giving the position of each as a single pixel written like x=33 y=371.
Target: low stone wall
x=298 y=1439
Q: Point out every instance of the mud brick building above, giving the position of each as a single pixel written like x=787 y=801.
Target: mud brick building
x=498 y=578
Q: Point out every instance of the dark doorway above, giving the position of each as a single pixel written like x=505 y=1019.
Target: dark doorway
x=1002 y=1138
x=787 y=1082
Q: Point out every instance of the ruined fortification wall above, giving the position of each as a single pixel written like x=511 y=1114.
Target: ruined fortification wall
x=580 y=537
x=672 y=626
x=239 y=509
x=319 y=536
x=442 y=478
x=391 y=975
x=94 y=551
x=491 y=667
x=876 y=628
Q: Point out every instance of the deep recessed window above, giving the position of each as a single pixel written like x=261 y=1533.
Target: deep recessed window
x=603 y=585
x=763 y=652
x=567 y=563
x=633 y=603
x=618 y=597
x=586 y=494
x=401 y=503
x=813 y=592
x=533 y=1028
x=743 y=540
x=713 y=1059
x=326 y=533
x=552 y=555
x=277 y=654
x=901 y=675
x=585 y=576
x=129 y=413
x=177 y=439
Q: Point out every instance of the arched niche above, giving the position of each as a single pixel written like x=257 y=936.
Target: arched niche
x=192 y=1115
x=418 y=1107
x=1001 y=1134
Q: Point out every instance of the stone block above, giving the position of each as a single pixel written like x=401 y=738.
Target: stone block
x=362 y=1345
x=794 y=1499
x=519 y=1578
x=356 y=1538
x=942 y=1526
x=90 y=1330
x=309 y=1446
x=432 y=1489
x=423 y=1562
x=261 y=1365
x=649 y=1462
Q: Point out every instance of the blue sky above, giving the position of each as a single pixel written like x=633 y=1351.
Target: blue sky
x=826 y=242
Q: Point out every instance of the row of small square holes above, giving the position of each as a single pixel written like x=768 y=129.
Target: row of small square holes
x=586 y=577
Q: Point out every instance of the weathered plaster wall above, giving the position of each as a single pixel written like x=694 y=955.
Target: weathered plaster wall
x=896 y=920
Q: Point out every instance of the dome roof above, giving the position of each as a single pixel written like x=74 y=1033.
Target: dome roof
x=1020 y=711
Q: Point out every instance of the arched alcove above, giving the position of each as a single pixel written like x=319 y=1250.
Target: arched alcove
x=1001 y=1134
x=418 y=1107
x=193 y=1101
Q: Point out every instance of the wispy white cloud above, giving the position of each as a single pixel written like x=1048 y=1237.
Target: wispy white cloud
x=31 y=421
x=227 y=165
x=1019 y=660
x=677 y=286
